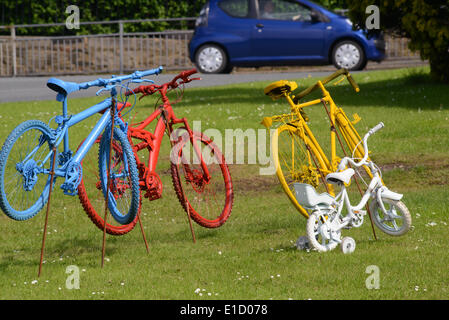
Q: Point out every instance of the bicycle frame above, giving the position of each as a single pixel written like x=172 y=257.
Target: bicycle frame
x=70 y=165
x=63 y=133
x=167 y=120
x=336 y=117
x=342 y=199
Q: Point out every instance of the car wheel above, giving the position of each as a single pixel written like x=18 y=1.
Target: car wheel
x=348 y=54
x=212 y=59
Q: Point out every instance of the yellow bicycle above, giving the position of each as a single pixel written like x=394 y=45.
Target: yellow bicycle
x=297 y=155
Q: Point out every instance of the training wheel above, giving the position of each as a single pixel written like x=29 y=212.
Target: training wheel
x=347 y=245
x=303 y=243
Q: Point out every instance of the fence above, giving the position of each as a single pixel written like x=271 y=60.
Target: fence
x=111 y=53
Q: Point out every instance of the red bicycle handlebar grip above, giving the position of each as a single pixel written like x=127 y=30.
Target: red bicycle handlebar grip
x=186 y=74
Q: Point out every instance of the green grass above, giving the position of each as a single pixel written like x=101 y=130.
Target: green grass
x=253 y=255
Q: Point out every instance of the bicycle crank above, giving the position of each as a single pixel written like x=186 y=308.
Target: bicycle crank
x=153 y=186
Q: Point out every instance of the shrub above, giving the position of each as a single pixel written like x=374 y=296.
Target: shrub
x=424 y=22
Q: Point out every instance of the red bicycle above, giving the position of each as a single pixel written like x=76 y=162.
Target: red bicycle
x=200 y=175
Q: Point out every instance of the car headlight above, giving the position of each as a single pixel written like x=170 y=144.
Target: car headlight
x=348 y=22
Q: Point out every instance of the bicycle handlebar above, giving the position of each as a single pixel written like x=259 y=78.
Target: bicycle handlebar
x=104 y=82
x=376 y=128
x=185 y=75
x=343 y=163
x=173 y=84
x=353 y=83
x=326 y=80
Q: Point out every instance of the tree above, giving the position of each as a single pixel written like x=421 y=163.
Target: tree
x=424 y=22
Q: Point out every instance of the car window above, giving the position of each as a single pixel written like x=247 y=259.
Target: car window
x=235 y=8
x=284 y=10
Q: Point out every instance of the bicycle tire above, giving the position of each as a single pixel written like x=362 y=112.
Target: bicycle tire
x=91 y=197
x=294 y=162
x=187 y=178
x=390 y=227
x=132 y=203
x=38 y=135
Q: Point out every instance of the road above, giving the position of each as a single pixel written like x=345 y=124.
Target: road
x=34 y=88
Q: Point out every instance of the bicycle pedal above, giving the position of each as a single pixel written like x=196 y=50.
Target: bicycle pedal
x=73 y=178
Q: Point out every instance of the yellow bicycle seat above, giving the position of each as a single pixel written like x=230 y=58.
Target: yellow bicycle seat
x=280 y=88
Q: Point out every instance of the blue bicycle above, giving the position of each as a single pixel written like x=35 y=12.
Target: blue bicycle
x=30 y=157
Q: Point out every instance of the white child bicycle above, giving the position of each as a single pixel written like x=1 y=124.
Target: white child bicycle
x=326 y=221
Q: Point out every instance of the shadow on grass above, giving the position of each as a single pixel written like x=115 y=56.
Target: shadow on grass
x=63 y=248
x=407 y=91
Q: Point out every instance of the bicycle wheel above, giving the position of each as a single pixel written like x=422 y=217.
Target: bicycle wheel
x=295 y=163
x=25 y=163
x=322 y=230
x=396 y=222
x=90 y=192
x=124 y=192
x=209 y=202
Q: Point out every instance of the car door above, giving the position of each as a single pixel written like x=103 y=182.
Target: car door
x=287 y=30
x=230 y=25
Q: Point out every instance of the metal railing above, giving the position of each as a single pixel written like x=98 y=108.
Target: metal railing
x=110 y=53
x=100 y=53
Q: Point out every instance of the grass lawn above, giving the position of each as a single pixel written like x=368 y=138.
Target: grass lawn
x=252 y=256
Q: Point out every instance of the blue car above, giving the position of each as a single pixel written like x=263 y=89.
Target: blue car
x=256 y=33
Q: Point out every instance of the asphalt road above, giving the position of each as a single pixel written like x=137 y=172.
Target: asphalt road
x=34 y=88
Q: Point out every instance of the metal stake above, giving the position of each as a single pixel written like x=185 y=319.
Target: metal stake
x=143 y=233
x=52 y=174
x=186 y=204
x=108 y=184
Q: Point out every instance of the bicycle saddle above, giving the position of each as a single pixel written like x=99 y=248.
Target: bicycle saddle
x=309 y=198
x=280 y=88
x=62 y=87
x=338 y=177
